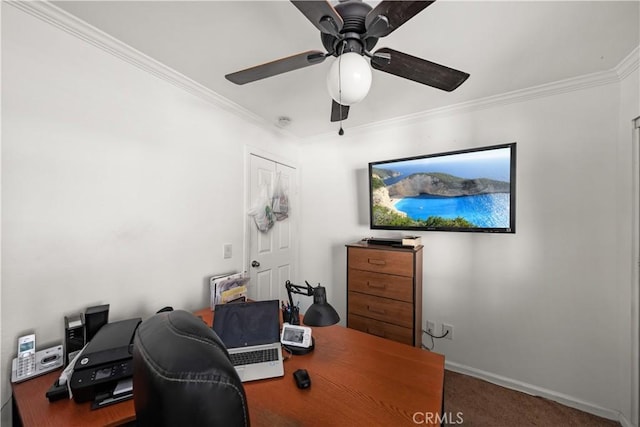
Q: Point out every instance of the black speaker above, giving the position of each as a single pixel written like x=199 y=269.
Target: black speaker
x=73 y=337
x=94 y=319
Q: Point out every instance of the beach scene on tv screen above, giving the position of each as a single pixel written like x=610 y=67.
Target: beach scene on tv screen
x=464 y=190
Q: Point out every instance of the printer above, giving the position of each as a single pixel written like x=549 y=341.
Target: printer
x=106 y=361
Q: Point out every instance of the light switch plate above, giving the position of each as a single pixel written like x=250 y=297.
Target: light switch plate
x=228 y=250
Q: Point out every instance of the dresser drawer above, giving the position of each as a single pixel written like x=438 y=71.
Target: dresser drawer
x=381 y=261
x=382 y=285
x=387 y=310
x=381 y=329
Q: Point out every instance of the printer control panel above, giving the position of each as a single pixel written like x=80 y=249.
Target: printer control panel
x=86 y=384
x=120 y=370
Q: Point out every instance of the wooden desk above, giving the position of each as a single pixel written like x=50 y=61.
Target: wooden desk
x=356 y=379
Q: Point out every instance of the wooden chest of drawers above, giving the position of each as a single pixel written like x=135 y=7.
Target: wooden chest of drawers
x=384 y=291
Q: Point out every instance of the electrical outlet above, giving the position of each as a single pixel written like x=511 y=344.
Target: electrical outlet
x=228 y=250
x=447 y=328
x=431 y=327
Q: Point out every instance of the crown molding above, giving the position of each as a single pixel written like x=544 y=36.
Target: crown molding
x=69 y=23
x=629 y=64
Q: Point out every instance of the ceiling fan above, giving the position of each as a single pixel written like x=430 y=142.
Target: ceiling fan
x=349 y=31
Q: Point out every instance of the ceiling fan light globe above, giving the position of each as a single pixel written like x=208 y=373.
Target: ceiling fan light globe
x=349 y=78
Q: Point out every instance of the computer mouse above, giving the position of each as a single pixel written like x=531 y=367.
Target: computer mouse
x=302 y=378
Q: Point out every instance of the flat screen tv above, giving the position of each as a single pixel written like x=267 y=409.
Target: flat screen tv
x=467 y=190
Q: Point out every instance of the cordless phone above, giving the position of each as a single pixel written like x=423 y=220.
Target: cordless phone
x=31 y=363
x=26 y=356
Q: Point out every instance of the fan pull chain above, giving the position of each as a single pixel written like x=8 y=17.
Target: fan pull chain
x=341 y=131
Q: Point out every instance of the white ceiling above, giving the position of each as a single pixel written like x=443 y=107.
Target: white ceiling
x=504 y=45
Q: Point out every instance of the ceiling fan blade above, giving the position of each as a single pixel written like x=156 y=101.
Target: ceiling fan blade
x=417 y=69
x=321 y=14
x=279 y=66
x=338 y=112
x=388 y=15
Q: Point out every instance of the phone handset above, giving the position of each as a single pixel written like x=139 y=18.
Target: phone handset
x=26 y=356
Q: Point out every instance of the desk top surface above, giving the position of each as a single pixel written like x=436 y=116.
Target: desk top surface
x=354 y=377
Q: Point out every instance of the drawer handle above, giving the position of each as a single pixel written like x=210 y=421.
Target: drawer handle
x=376 y=332
x=376 y=285
x=374 y=310
x=376 y=261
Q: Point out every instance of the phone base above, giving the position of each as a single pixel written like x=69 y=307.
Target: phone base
x=299 y=351
x=47 y=360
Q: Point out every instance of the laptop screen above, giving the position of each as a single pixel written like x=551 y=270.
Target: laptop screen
x=247 y=324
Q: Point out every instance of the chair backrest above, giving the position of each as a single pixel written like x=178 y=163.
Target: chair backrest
x=182 y=375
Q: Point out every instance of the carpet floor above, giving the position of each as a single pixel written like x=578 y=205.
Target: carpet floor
x=471 y=401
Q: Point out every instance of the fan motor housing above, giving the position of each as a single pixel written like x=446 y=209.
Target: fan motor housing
x=354 y=14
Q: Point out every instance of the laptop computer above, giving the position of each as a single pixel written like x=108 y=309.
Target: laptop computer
x=251 y=333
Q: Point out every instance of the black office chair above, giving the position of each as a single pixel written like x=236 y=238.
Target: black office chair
x=182 y=375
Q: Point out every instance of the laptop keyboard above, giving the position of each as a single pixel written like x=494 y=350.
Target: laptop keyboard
x=251 y=357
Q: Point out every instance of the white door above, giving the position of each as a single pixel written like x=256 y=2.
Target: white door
x=271 y=254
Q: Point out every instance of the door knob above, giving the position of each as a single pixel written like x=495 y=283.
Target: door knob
x=255 y=263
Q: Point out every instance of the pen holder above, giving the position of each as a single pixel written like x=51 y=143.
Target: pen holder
x=291 y=315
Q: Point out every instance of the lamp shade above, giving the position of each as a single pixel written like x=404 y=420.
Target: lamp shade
x=321 y=313
x=349 y=78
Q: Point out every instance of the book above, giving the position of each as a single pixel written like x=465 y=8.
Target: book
x=411 y=241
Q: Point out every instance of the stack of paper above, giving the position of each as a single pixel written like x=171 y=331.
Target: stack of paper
x=228 y=287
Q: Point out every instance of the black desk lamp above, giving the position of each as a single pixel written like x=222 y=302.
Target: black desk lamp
x=321 y=313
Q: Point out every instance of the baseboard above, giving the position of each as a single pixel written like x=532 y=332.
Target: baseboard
x=624 y=422
x=539 y=391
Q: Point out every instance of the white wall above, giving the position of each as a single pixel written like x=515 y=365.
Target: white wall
x=117 y=187
x=545 y=309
